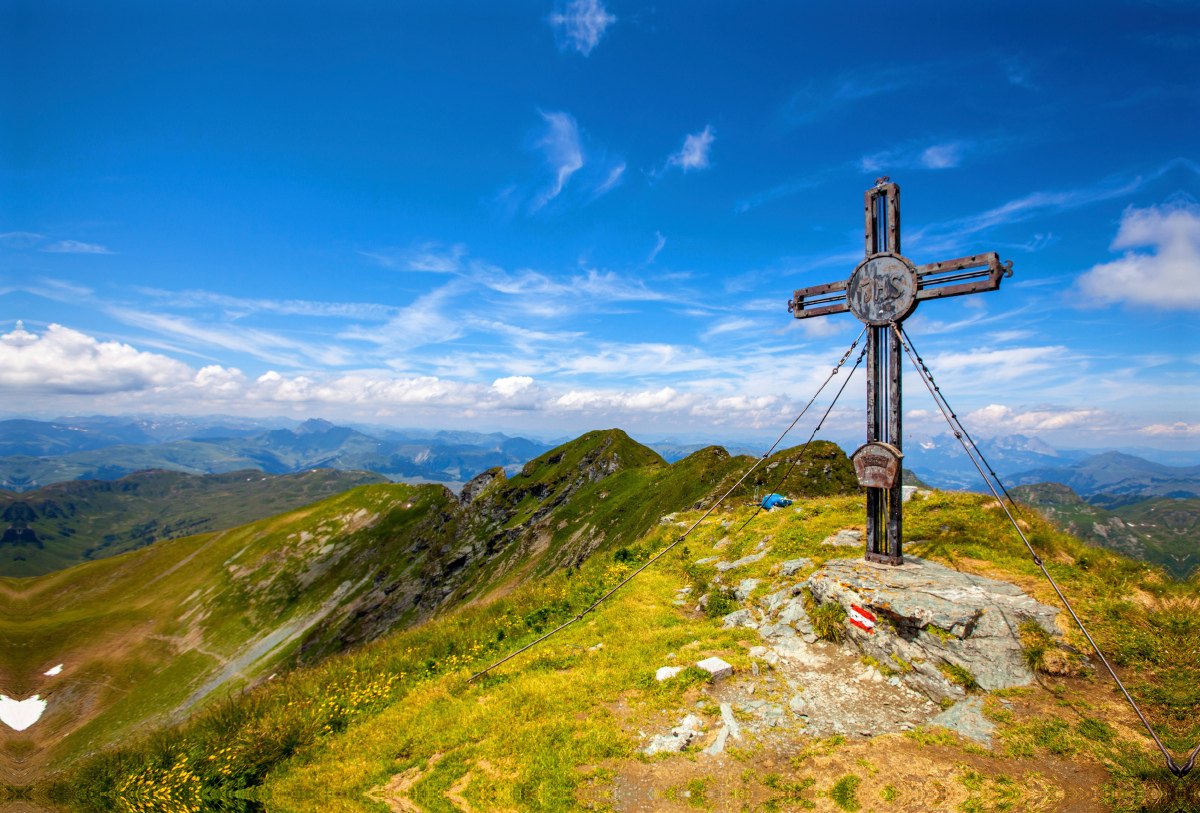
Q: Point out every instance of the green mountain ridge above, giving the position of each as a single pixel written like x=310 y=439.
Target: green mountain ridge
x=1164 y=531
x=149 y=636
x=66 y=523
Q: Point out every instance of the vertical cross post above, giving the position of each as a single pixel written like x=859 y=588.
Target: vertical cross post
x=884 y=405
x=882 y=292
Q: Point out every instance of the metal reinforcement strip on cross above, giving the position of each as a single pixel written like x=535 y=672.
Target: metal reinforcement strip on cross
x=968 y=444
x=714 y=507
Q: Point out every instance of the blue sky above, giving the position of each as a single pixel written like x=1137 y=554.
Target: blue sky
x=552 y=217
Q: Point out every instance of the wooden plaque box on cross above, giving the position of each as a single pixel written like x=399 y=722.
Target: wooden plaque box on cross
x=882 y=292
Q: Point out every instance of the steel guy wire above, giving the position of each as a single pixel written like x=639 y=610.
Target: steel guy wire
x=800 y=456
x=695 y=524
x=1178 y=770
x=938 y=394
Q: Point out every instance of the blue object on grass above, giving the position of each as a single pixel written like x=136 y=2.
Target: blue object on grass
x=775 y=501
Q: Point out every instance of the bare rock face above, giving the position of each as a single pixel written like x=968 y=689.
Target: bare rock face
x=930 y=620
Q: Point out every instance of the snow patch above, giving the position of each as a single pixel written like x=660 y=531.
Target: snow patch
x=53 y=671
x=21 y=714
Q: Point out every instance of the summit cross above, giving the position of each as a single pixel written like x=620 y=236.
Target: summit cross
x=882 y=292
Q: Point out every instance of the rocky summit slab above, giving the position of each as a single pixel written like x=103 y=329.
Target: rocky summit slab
x=929 y=619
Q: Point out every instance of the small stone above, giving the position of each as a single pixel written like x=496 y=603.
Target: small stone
x=907 y=493
x=667 y=672
x=739 y=618
x=754 y=667
x=797 y=703
x=730 y=721
x=757 y=704
x=753 y=686
x=876 y=676
x=724 y=543
x=718 y=745
x=894 y=680
x=670 y=655
x=716 y=667
x=594 y=648
x=758 y=651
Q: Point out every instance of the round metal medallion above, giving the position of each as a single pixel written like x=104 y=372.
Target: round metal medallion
x=883 y=289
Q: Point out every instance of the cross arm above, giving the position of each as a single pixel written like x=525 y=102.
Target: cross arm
x=974 y=274
x=819 y=300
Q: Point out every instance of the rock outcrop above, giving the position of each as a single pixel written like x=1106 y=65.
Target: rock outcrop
x=933 y=624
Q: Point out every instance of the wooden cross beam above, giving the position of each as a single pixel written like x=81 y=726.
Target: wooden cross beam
x=884 y=290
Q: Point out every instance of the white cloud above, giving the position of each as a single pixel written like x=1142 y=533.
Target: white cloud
x=580 y=24
x=694 y=152
x=76 y=247
x=943 y=156
x=563 y=154
x=1165 y=277
x=62 y=360
x=997 y=418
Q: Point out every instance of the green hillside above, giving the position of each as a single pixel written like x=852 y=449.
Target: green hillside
x=63 y=524
x=1163 y=531
x=393 y=725
x=147 y=637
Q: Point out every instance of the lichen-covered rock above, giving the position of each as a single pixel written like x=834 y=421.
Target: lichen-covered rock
x=739 y=618
x=745 y=588
x=932 y=620
x=793 y=566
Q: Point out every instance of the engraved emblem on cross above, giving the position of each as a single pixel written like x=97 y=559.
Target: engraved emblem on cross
x=883 y=291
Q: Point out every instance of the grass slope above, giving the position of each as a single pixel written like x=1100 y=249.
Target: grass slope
x=61 y=525
x=552 y=727
x=148 y=636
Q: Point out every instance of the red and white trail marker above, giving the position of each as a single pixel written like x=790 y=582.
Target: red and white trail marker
x=863 y=619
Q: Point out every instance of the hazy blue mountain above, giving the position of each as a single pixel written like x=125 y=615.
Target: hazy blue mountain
x=1118 y=474
x=940 y=460
x=313 y=444
x=39 y=438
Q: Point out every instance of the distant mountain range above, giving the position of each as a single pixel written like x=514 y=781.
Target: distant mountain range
x=40 y=453
x=1115 y=473
x=64 y=524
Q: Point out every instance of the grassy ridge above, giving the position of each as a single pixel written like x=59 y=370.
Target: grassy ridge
x=147 y=637
x=544 y=727
x=77 y=521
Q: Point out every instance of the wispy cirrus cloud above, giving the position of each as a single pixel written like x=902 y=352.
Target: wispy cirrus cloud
x=951 y=235
x=942 y=155
x=563 y=155
x=76 y=247
x=580 y=24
